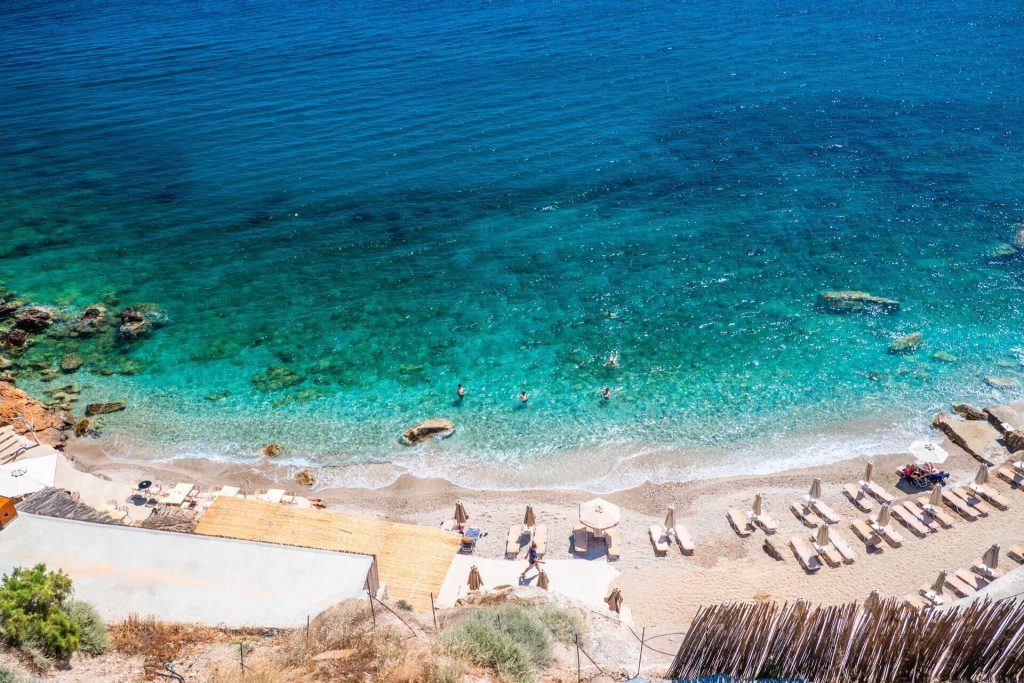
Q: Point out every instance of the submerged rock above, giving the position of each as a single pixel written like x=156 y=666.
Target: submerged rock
x=275 y=378
x=93 y=318
x=33 y=319
x=906 y=343
x=944 y=357
x=104 y=408
x=305 y=478
x=1000 y=382
x=219 y=395
x=134 y=324
x=1004 y=251
x=968 y=412
x=1020 y=235
x=71 y=362
x=438 y=427
x=856 y=302
x=82 y=427
x=272 y=450
x=7 y=308
x=5 y=363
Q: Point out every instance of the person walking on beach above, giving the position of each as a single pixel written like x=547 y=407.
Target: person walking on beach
x=533 y=557
x=461 y=391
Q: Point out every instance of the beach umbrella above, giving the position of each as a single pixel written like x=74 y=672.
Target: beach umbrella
x=936 y=498
x=868 y=471
x=981 y=478
x=883 y=515
x=758 y=504
x=614 y=600
x=815 y=493
x=822 y=536
x=529 y=519
x=599 y=514
x=461 y=516
x=873 y=601
x=542 y=580
x=475 y=582
x=991 y=557
x=940 y=583
x=670 y=518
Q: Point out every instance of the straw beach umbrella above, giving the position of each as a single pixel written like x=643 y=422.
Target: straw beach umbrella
x=758 y=505
x=815 y=493
x=614 y=601
x=991 y=557
x=475 y=582
x=822 y=537
x=874 y=601
x=883 y=516
x=598 y=514
x=982 y=477
x=542 y=580
x=670 y=518
x=529 y=519
x=940 y=582
x=869 y=469
x=461 y=516
x=935 y=500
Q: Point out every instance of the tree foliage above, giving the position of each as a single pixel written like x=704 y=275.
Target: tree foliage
x=32 y=610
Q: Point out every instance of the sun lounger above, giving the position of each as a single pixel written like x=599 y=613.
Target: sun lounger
x=910 y=521
x=858 y=496
x=926 y=519
x=660 y=539
x=974 y=500
x=937 y=514
x=766 y=522
x=958 y=587
x=512 y=545
x=891 y=536
x=828 y=553
x=987 y=573
x=865 y=533
x=613 y=542
x=876 y=491
x=540 y=537
x=804 y=513
x=991 y=495
x=843 y=546
x=807 y=557
x=960 y=505
x=1015 y=478
x=1018 y=466
x=825 y=512
x=931 y=597
x=229 y=491
x=179 y=494
x=273 y=495
x=684 y=540
x=1016 y=553
x=739 y=522
x=973 y=581
x=579 y=539
x=915 y=601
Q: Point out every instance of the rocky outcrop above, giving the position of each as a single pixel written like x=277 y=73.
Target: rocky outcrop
x=104 y=408
x=305 y=478
x=15 y=338
x=5 y=364
x=999 y=382
x=434 y=427
x=22 y=411
x=134 y=324
x=92 y=320
x=272 y=450
x=968 y=412
x=944 y=357
x=906 y=343
x=1014 y=441
x=71 y=363
x=977 y=437
x=8 y=308
x=1005 y=418
x=856 y=302
x=33 y=319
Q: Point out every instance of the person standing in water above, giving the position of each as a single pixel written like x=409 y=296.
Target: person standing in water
x=523 y=398
x=461 y=391
x=606 y=394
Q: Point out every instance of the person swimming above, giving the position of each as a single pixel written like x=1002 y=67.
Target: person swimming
x=461 y=391
x=606 y=394
x=523 y=398
x=613 y=359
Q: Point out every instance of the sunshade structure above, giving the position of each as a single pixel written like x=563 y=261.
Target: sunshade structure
x=869 y=469
x=884 y=516
x=614 y=600
x=670 y=518
x=991 y=557
x=873 y=601
x=598 y=514
x=822 y=537
x=982 y=477
x=935 y=499
x=461 y=516
x=758 y=507
x=542 y=580
x=475 y=582
x=529 y=519
x=940 y=582
x=815 y=492
x=22 y=477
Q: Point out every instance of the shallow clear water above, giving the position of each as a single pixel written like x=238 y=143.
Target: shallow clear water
x=391 y=198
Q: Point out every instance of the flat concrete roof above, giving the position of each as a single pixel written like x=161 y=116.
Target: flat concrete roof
x=185 y=577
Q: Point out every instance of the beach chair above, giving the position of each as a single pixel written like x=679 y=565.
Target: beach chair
x=829 y=515
x=972 y=580
x=765 y=521
x=865 y=533
x=1012 y=476
x=973 y=499
x=991 y=495
x=1016 y=553
x=876 y=491
x=987 y=573
x=925 y=518
x=910 y=521
x=512 y=543
x=540 y=537
x=660 y=539
x=807 y=557
x=915 y=601
x=470 y=535
x=931 y=597
x=180 y=494
x=958 y=587
x=580 y=536
x=832 y=557
x=843 y=546
x=613 y=542
x=804 y=513
x=739 y=522
x=959 y=504
x=684 y=540
x=858 y=497
x=228 y=491
x=891 y=536
x=937 y=514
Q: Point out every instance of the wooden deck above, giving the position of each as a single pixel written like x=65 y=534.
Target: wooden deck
x=412 y=560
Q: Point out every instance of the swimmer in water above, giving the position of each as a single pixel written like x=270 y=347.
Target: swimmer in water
x=461 y=391
x=523 y=397
x=611 y=314
x=606 y=394
x=613 y=359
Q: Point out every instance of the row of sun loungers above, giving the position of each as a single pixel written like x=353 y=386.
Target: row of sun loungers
x=517 y=532
x=827 y=545
x=963 y=582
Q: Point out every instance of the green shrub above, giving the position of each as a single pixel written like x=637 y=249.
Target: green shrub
x=8 y=676
x=511 y=640
x=31 y=610
x=93 y=639
x=563 y=623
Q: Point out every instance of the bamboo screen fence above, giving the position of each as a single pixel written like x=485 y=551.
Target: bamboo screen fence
x=881 y=641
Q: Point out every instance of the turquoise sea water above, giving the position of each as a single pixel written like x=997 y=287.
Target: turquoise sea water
x=390 y=198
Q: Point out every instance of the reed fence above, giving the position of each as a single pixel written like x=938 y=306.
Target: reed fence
x=881 y=641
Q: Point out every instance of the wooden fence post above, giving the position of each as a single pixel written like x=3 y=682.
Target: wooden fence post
x=433 y=611
x=643 y=636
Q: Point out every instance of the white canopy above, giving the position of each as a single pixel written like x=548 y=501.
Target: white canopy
x=23 y=477
x=599 y=514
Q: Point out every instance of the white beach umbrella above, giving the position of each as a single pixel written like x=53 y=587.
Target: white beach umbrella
x=822 y=536
x=670 y=518
x=815 y=493
x=940 y=582
x=981 y=478
x=758 y=504
x=599 y=514
x=991 y=557
x=936 y=497
x=883 y=515
x=868 y=470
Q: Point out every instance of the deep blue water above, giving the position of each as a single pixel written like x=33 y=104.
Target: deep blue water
x=390 y=198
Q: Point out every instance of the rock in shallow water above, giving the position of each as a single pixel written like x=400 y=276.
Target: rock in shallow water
x=1000 y=382
x=433 y=427
x=133 y=324
x=71 y=362
x=906 y=343
x=968 y=412
x=33 y=319
x=856 y=302
x=104 y=408
x=944 y=357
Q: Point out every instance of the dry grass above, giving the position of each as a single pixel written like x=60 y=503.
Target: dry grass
x=158 y=641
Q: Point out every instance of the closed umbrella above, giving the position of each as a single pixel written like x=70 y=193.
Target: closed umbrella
x=868 y=471
x=815 y=493
x=874 y=601
x=614 y=600
x=981 y=478
x=758 y=505
x=935 y=499
x=940 y=583
x=598 y=514
x=991 y=557
x=670 y=518
x=822 y=537
x=542 y=580
x=529 y=519
x=883 y=516
x=461 y=516
x=475 y=582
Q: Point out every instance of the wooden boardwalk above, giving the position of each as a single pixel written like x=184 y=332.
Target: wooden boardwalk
x=412 y=560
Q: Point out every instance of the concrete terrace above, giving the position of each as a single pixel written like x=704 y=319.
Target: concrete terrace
x=185 y=577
